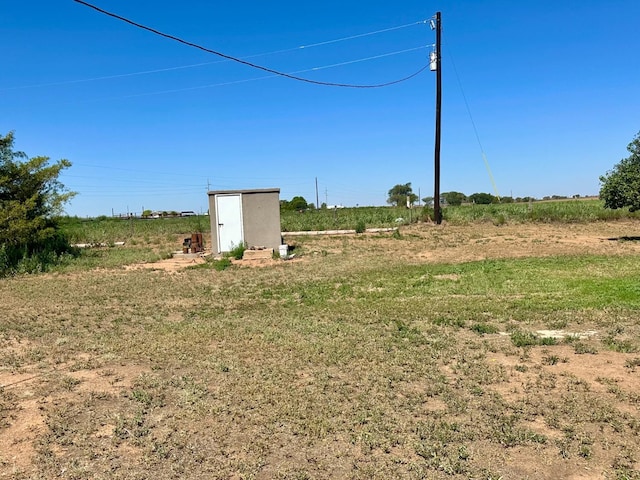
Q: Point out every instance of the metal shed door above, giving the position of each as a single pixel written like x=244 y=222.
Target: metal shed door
x=229 y=217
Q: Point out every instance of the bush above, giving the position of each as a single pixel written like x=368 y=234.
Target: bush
x=237 y=252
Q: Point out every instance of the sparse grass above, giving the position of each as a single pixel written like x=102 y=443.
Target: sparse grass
x=359 y=362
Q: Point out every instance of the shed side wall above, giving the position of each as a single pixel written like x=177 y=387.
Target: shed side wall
x=261 y=211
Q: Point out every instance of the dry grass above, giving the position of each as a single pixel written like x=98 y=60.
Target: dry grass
x=365 y=357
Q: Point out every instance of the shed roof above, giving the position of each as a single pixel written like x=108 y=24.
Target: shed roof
x=255 y=190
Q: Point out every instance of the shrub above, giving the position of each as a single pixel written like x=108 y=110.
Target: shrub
x=238 y=251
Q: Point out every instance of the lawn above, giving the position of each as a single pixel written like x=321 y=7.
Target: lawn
x=470 y=350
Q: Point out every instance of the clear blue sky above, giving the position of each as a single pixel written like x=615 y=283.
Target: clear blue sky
x=553 y=88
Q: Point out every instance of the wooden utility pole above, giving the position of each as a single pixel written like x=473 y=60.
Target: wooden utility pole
x=438 y=69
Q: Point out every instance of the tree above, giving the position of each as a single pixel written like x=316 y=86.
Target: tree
x=454 y=198
x=621 y=186
x=30 y=197
x=296 y=203
x=482 y=198
x=399 y=193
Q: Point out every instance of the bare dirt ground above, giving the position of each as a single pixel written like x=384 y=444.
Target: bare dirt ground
x=20 y=436
x=456 y=244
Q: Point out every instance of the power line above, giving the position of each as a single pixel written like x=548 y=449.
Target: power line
x=180 y=67
x=265 y=77
x=202 y=64
x=473 y=124
x=244 y=62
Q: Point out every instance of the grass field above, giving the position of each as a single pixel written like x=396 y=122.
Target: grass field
x=421 y=354
x=144 y=231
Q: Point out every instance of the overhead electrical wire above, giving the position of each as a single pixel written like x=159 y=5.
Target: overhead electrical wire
x=473 y=124
x=202 y=64
x=245 y=80
x=244 y=62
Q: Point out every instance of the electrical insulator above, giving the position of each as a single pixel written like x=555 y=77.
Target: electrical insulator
x=433 y=61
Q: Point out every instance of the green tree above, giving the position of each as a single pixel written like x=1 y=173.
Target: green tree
x=296 y=203
x=621 y=186
x=30 y=197
x=482 y=198
x=454 y=198
x=399 y=193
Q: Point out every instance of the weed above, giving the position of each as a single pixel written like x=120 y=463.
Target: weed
x=582 y=348
x=632 y=363
x=484 y=328
x=524 y=339
x=237 y=251
x=550 y=359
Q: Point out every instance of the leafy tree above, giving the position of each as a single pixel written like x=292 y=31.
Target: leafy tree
x=296 y=203
x=454 y=198
x=30 y=197
x=482 y=198
x=399 y=193
x=621 y=186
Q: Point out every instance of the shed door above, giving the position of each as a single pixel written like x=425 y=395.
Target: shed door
x=229 y=217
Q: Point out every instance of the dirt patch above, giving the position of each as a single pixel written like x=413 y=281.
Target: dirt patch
x=26 y=423
x=171 y=265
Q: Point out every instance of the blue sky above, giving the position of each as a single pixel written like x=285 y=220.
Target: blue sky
x=553 y=88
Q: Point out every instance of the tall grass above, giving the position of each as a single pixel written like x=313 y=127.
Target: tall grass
x=571 y=211
x=110 y=230
x=347 y=218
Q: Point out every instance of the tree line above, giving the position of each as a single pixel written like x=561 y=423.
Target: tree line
x=403 y=195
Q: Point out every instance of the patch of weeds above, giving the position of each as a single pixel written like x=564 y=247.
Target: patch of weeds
x=360 y=227
x=134 y=427
x=396 y=234
x=550 y=360
x=453 y=322
x=238 y=251
x=521 y=368
x=7 y=404
x=523 y=339
x=499 y=220
x=141 y=396
x=69 y=382
x=483 y=328
x=406 y=331
x=632 y=363
x=581 y=348
x=618 y=345
x=558 y=324
x=528 y=339
x=215 y=264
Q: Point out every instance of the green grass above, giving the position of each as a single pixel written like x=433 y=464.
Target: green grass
x=110 y=230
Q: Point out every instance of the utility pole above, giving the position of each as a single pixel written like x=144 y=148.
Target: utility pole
x=436 y=64
x=317 y=200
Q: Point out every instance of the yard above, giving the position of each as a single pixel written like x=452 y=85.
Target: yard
x=483 y=350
